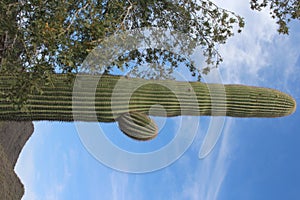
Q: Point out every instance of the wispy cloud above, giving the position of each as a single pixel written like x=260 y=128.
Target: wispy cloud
x=119 y=184
x=245 y=55
x=26 y=164
x=33 y=172
x=247 y=52
x=58 y=184
x=209 y=175
x=286 y=61
x=25 y=169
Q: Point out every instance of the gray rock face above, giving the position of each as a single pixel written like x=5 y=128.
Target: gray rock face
x=13 y=136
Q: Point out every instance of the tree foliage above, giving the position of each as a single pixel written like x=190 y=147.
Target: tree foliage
x=10 y=39
x=58 y=35
x=281 y=10
x=45 y=37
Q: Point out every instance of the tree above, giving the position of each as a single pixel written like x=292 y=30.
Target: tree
x=53 y=36
x=42 y=38
x=56 y=36
x=10 y=43
x=281 y=10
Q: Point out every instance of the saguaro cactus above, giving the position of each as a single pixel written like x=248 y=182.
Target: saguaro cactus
x=108 y=102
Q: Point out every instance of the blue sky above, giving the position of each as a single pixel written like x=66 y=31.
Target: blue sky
x=253 y=159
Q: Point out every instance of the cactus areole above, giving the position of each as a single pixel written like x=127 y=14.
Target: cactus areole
x=109 y=103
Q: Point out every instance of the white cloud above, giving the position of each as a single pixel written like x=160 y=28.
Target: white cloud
x=248 y=51
x=26 y=165
x=286 y=57
x=259 y=55
x=25 y=169
x=245 y=55
x=29 y=170
x=58 y=184
x=119 y=184
x=207 y=181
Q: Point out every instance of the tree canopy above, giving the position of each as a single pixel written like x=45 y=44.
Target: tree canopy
x=46 y=37
x=60 y=34
x=281 y=10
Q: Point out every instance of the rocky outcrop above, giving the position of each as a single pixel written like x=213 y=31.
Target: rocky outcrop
x=13 y=136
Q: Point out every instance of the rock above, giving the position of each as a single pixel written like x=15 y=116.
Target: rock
x=13 y=136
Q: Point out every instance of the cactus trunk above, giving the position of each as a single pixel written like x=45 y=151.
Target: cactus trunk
x=109 y=102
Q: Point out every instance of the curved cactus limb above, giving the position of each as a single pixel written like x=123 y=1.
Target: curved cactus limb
x=138 y=126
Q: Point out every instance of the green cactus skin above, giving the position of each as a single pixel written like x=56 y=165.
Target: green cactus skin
x=55 y=103
x=138 y=126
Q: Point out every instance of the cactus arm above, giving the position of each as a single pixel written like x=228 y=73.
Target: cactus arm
x=257 y=102
x=56 y=101
x=109 y=103
x=138 y=126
